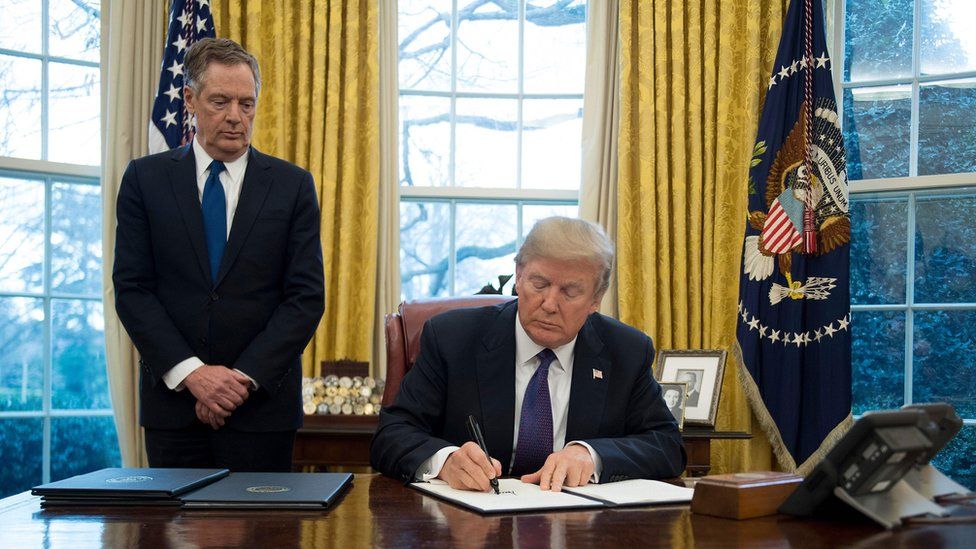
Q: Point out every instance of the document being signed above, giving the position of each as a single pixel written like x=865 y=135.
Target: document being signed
x=514 y=495
x=518 y=496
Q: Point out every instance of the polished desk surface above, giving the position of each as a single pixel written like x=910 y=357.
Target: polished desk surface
x=379 y=511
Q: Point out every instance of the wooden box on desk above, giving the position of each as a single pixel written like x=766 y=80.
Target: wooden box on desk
x=743 y=495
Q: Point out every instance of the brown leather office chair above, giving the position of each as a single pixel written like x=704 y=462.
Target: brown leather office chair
x=403 y=333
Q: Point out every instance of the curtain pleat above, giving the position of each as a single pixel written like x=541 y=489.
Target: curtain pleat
x=319 y=109
x=132 y=35
x=693 y=76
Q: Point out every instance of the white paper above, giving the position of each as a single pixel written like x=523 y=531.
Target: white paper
x=515 y=496
x=635 y=492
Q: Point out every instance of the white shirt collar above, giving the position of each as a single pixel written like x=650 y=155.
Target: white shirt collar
x=235 y=168
x=526 y=349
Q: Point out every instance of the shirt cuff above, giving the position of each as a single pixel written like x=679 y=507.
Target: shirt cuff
x=432 y=467
x=597 y=462
x=175 y=376
x=254 y=384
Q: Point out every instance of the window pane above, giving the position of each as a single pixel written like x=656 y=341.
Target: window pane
x=21 y=353
x=76 y=239
x=551 y=152
x=78 y=358
x=20 y=107
x=488 y=43
x=877 y=130
x=956 y=459
x=948 y=43
x=878 y=250
x=485 y=245
x=947 y=127
x=425 y=244
x=73 y=111
x=878 y=359
x=532 y=213
x=877 y=39
x=486 y=143
x=81 y=445
x=424 y=28
x=425 y=141
x=945 y=249
x=74 y=29
x=945 y=359
x=21 y=447
x=555 y=47
x=21 y=235
x=20 y=26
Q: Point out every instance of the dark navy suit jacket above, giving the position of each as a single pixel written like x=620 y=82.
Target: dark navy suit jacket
x=264 y=307
x=466 y=366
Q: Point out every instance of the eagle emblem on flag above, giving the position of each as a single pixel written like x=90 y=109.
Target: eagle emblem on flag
x=790 y=186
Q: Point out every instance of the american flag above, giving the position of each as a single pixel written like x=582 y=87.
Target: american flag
x=781 y=233
x=169 y=127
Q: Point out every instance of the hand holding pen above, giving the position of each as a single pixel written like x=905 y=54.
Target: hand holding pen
x=475 y=431
x=469 y=468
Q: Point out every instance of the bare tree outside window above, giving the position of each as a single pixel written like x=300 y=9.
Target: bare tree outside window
x=490 y=100
x=55 y=413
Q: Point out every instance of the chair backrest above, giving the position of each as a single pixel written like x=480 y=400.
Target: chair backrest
x=403 y=331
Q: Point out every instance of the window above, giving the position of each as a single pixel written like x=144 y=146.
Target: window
x=491 y=101
x=55 y=414
x=909 y=104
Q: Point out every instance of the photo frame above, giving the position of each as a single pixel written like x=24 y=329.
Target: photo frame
x=702 y=370
x=675 y=393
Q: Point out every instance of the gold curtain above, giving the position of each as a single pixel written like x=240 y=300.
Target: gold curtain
x=319 y=109
x=693 y=76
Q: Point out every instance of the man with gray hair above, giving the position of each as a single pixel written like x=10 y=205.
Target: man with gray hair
x=563 y=394
x=218 y=279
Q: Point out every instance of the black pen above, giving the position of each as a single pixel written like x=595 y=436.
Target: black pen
x=475 y=431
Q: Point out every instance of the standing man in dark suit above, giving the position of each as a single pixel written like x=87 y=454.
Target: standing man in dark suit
x=218 y=279
x=564 y=394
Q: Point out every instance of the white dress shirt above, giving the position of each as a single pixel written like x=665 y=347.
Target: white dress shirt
x=560 y=383
x=232 y=179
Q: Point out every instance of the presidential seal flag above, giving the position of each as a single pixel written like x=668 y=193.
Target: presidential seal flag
x=170 y=126
x=794 y=295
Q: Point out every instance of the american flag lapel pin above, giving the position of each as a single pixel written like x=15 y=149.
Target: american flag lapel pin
x=597 y=374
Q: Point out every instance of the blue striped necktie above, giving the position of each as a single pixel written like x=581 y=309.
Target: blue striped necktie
x=535 y=424
x=214 y=206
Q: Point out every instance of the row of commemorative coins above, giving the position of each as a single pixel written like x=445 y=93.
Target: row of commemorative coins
x=342 y=395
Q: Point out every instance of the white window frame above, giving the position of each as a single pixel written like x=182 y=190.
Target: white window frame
x=910 y=187
x=49 y=173
x=454 y=195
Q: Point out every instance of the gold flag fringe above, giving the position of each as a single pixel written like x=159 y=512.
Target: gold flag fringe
x=783 y=456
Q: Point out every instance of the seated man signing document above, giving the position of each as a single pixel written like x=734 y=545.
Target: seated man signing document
x=563 y=394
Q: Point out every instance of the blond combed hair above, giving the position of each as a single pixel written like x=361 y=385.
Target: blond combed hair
x=570 y=239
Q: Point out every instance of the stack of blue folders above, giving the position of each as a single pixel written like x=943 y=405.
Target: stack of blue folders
x=126 y=487
x=196 y=489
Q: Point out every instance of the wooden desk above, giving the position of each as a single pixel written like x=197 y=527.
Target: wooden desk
x=342 y=443
x=380 y=512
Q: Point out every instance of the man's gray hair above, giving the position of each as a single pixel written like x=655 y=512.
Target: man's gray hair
x=217 y=50
x=570 y=239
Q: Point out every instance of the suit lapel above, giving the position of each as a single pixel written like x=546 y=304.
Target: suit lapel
x=254 y=190
x=588 y=393
x=183 y=180
x=496 y=384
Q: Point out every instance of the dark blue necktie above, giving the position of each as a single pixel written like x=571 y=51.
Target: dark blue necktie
x=535 y=424
x=214 y=206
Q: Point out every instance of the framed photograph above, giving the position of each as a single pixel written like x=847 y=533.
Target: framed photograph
x=702 y=370
x=675 y=394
